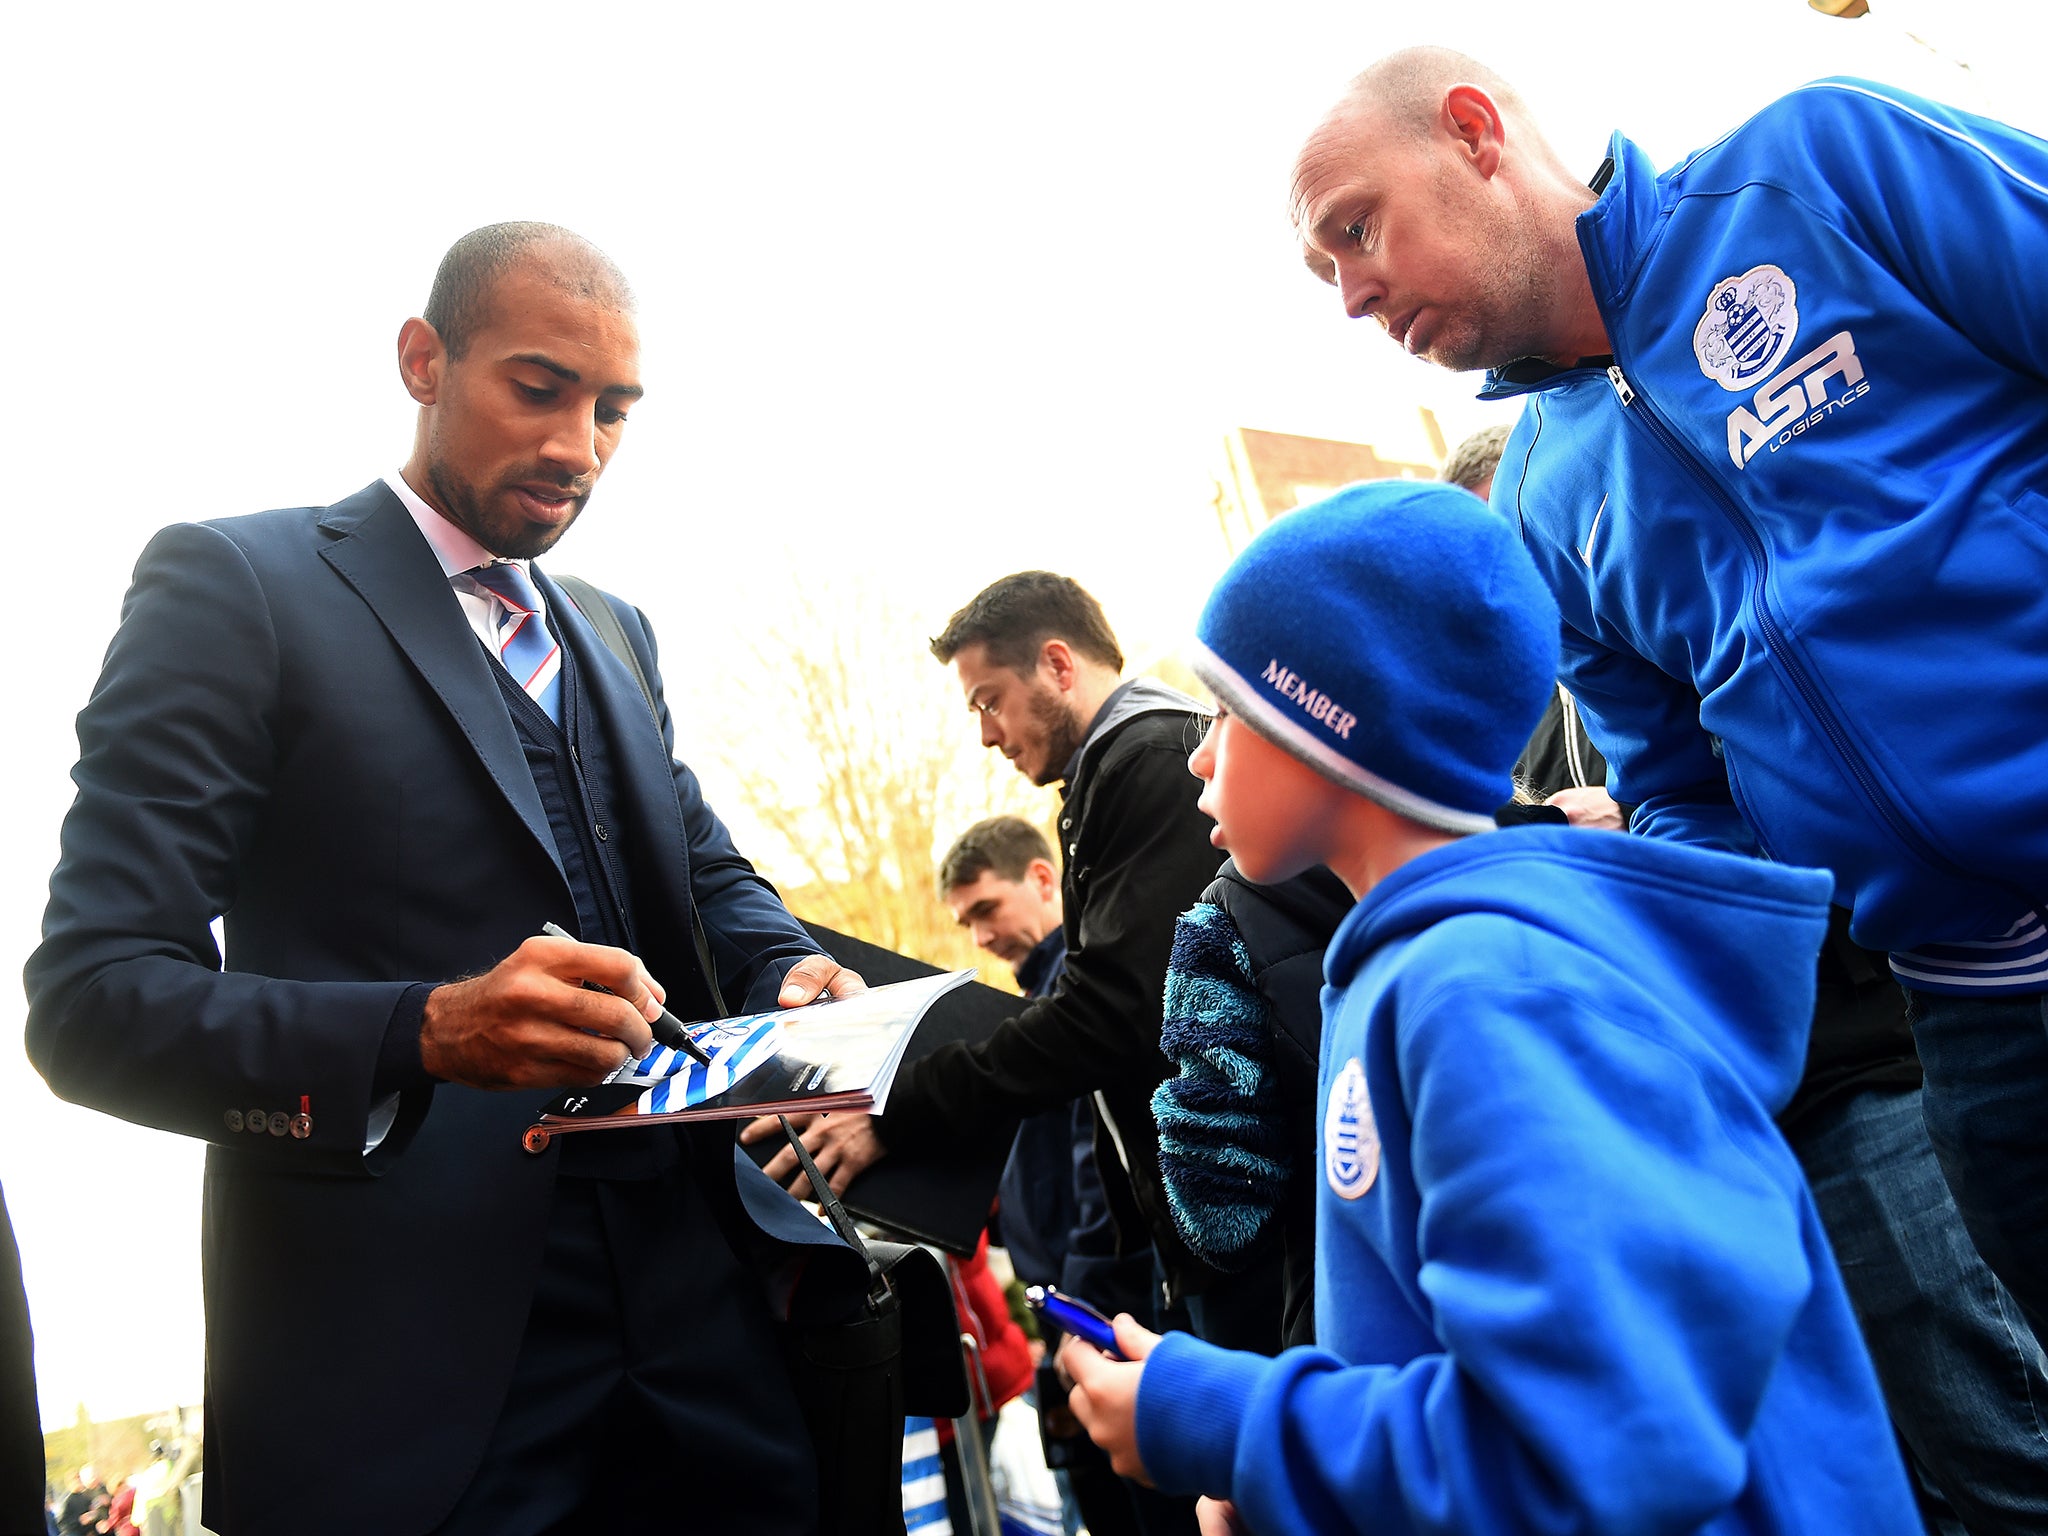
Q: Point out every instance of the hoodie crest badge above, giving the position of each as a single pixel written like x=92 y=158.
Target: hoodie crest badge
x=1351 y=1141
x=1749 y=325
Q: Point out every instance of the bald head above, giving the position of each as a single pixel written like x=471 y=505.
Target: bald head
x=1405 y=91
x=465 y=284
x=1403 y=101
x=1430 y=200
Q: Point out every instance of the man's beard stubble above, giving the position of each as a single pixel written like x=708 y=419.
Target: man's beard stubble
x=1062 y=731
x=1512 y=293
x=508 y=539
x=1502 y=326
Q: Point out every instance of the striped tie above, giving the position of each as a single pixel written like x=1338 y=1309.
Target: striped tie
x=525 y=647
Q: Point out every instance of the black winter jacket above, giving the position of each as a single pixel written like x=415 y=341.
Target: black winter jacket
x=1285 y=929
x=1137 y=855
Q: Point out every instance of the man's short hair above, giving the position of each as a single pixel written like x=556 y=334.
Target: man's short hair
x=1014 y=617
x=459 y=304
x=1002 y=845
x=1473 y=461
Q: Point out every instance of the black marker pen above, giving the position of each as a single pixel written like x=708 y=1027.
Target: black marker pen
x=668 y=1029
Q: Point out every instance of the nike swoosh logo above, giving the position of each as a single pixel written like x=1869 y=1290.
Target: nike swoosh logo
x=1586 y=553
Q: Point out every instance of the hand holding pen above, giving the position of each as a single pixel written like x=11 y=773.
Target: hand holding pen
x=1104 y=1396
x=666 y=1027
x=534 y=1021
x=1073 y=1315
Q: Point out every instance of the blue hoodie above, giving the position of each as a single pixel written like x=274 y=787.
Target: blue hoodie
x=1569 y=1276
x=1799 y=533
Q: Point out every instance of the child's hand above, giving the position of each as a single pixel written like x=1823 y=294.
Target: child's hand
x=1218 y=1517
x=1105 y=1394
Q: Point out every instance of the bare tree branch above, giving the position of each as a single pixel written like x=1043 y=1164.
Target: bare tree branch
x=872 y=769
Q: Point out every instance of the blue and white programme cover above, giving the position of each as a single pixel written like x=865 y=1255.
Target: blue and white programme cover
x=837 y=1055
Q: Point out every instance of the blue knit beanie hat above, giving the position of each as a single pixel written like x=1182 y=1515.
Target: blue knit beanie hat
x=1397 y=639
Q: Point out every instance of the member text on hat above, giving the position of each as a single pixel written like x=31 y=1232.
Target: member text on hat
x=1320 y=707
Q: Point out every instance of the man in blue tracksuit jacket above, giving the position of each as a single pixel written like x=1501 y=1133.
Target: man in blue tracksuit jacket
x=1783 y=468
x=1569 y=1277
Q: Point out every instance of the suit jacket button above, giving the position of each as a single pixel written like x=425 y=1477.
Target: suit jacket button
x=233 y=1119
x=302 y=1127
x=278 y=1123
x=254 y=1121
x=602 y=835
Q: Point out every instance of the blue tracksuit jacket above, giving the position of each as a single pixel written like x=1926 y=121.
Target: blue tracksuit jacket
x=1798 y=532
x=1569 y=1276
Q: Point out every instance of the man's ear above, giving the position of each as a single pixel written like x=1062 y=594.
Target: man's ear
x=1043 y=878
x=1056 y=657
x=1476 y=127
x=421 y=360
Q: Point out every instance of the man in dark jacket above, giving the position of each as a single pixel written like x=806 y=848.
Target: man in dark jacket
x=21 y=1430
x=88 y=1494
x=380 y=747
x=1041 y=669
x=1001 y=883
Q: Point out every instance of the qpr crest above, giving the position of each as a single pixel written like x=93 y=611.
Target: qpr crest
x=1749 y=325
x=1351 y=1142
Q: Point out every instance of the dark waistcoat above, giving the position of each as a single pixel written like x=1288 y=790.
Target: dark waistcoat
x=572 y=770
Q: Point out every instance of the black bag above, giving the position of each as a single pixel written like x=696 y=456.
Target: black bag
x=856 y=1369
x=856 y=1379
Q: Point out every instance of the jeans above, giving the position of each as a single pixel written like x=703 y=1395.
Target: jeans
x=1986 y=1061
x=1966 y=1382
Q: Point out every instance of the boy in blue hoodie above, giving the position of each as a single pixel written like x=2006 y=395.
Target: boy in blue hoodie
x=1569 y=1277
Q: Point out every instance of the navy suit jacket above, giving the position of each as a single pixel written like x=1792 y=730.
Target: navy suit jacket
x=296 y=730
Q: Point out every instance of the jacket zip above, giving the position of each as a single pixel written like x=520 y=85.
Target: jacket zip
x=1774 y=636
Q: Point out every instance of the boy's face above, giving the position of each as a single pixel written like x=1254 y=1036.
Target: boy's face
x=1274 y=813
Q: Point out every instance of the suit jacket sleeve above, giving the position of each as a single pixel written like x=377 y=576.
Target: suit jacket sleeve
x=753 y=938
x=1144 y=857
x=130 y=1011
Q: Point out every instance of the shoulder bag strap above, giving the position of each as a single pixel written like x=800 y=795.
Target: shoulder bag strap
x=606 y=623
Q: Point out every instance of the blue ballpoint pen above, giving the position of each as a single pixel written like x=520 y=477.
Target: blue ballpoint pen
x=1075 y=1317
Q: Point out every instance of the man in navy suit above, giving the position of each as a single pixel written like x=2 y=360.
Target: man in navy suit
x=384 y=749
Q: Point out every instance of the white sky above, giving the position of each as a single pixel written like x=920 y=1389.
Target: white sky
x=929 y=293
